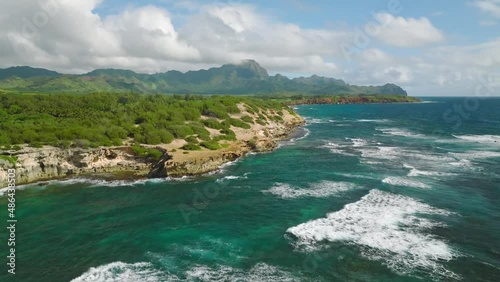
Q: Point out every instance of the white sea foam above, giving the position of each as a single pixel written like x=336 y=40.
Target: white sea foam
x=393 y=153
x=476 y=155
x=144 y=271
x=331 y=145
x=317 y=190
x=430 y=102
x=88 y=182
x=123 y=272
x=358 y=142
x=232 y=177
x=482 y=139
x=374 y=120
x=387 y=227
x=416 y=172
x=386 y=153
x=3 y=191
x=400 y=132
x=223 y=167
x=371 y=162
x=461 y=163
x=403 y=181
x=260 y=272
x=307 y=132
x=337 y=149
x=122 y=183
x=361 y=176
x=315 y=121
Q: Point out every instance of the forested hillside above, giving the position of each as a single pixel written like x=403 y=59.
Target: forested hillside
x=106 y=119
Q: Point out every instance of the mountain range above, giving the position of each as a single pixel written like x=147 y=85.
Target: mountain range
x=248 y=77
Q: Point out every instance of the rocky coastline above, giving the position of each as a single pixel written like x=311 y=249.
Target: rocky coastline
x=49 y=163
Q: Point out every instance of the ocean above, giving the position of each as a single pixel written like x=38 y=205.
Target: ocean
x=379 y=192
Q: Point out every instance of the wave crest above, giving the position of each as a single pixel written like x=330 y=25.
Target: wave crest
x=386 y=227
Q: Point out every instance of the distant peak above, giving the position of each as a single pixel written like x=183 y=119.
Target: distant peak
x=111 y=71
x=255 y=67
x=249 y=62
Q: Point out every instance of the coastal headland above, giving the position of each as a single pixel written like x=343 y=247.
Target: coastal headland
x=180 y=157
x=155 y=137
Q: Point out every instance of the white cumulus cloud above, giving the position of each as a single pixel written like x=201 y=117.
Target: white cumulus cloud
x=407 y=32
x=491 y=7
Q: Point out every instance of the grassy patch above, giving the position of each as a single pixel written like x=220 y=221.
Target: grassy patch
x=150 y=153
x=247 y=119
x=238 y=123
x=10 y=159
x=211 y=145
x=191 y=147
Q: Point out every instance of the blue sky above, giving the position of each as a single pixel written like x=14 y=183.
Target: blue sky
x=458 y=18
x=428 y=47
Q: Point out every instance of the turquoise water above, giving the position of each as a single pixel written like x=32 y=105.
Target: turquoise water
x=370 y=193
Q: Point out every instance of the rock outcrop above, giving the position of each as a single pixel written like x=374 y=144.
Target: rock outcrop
x=38 y=164
x=174 y=166
x=35 y=164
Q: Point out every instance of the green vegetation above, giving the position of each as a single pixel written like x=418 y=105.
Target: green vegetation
x=247 y=119
x=239 y=123
x=151 y=153
x=107 y=119
x=191 y=139
x=213 y=123
x=191 y=147
x=212 y=145
x=261 y=122
x=252 y=144
x=10 y=159
x=110 y=119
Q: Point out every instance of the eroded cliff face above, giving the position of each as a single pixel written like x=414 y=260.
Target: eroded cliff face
x=35 y=164
x=201 y=166
x=257 y=139
x=38 y=164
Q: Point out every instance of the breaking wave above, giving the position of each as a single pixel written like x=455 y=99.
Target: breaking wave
x=318 y=190
x=388 y=228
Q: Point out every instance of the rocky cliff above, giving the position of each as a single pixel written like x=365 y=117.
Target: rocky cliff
x=37 y=164
x=261 y=139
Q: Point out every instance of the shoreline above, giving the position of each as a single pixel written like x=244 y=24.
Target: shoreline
x=128 y=177
x=116 y=163
x=38 y=165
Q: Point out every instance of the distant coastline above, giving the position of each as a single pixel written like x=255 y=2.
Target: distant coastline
x=343 y=100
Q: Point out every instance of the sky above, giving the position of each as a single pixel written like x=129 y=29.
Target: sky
x=430 y=48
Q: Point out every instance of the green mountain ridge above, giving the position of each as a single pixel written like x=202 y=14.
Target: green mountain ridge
x=26 y=72
x=248 y=77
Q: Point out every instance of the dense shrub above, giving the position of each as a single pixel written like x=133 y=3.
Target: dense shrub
x=247 y=119
x=238 y=123
x=191 y=139
x=212 y=145
x=104 y=119
x=147 y=152
x=213 y=123
x=191 y=147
